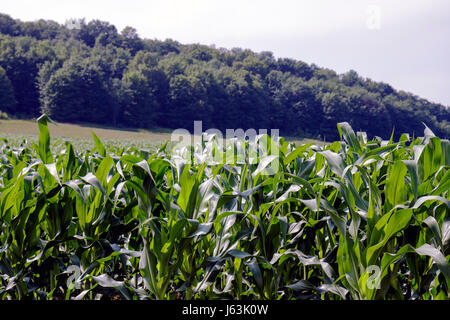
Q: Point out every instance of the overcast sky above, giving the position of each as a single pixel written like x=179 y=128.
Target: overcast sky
x=404 y=43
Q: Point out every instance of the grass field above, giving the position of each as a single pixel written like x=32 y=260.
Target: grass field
x=82 y=131
x=81 y=134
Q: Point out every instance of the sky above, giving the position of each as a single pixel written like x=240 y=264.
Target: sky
x=403 y=43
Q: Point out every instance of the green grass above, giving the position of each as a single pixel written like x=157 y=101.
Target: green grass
x=80 y=134
x=354 y=219
x=83 y=131
x=16 y=131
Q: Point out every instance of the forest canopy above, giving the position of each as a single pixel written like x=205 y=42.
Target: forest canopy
x=94 y=73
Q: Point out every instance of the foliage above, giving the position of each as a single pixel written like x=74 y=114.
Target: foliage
x=113 y=222
x=7 y=99
x=77 y=91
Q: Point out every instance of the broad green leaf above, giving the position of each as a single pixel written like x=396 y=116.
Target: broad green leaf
x=44 y=139
x=346 y=132
x=99 y=145
x=390 y=225
x=395 y=189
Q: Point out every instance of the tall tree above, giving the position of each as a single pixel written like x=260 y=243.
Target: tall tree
x=21 y=58
x=8 y=25
x=131 y=40
x=98 y=31
x=77 y=92
x=7 y=99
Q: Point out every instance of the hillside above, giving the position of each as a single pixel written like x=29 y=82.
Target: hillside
x=93 y=73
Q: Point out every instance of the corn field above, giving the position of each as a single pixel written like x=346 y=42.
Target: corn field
x=356 y=219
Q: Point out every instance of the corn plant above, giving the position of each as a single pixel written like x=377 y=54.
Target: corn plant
x=354 y=219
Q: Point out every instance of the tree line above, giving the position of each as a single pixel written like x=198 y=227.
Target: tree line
x=94 y=73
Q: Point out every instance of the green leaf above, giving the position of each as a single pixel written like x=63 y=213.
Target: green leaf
x=411 y=165
x=395 y=189
x=103 y=169
x=93 y=181
x=431 y=222
x=296 y=153
x=106 y=281
x=51 y=168
x=335 y=161
x=302 y=285
x=390 y=224
x=99 y=145
x=203 y=229
x=238 y=254
x=264 y=165
x=346 y=132
x=44 y=139
x=257 y=275
x=438 y=258
x=429 y=162
x=188 y=192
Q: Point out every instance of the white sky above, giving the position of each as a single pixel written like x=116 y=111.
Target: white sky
x=410 y=50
